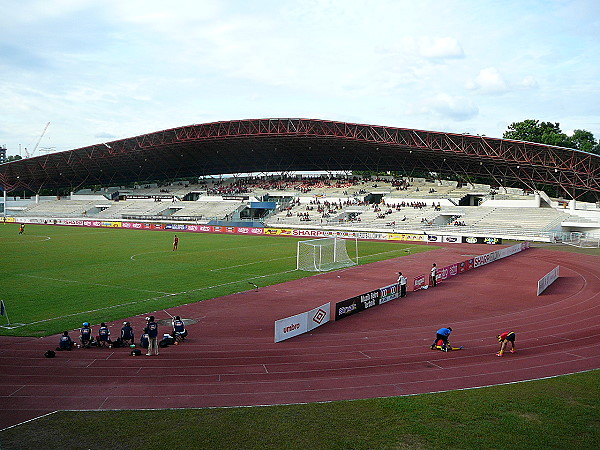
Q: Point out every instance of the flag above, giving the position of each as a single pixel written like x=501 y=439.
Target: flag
x=2 y=308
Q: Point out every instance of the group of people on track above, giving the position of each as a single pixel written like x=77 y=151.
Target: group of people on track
x=442 y=335
x=148 y=339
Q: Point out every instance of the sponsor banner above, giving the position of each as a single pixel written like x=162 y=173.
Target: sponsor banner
x=481 y=240
x=388 y=293
x=443 y=273
x=434 y=238
x=246 y=230
x=407 y=237
x=8 y=219
x=290 y=326
x=278 y=231
x=318 y=316
x=176 y=226
x=419 y=282
x=200 y=228
x=453 y=269
x=548 y=279
x=492 y=241
x=451 y=239
x=108 y=224
x=462 y=266
x=470 y=264
x=346 y=308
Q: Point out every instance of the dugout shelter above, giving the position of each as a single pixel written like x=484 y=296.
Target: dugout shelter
x=285 y=145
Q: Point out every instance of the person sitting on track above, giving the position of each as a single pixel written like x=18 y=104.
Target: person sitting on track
x=144 y=340
x=65 y=342
x=104 y=336
x=179 y=331
x=86 y=335
x=127 y=335
x=507 y=336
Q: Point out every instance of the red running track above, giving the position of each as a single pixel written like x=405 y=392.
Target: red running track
x=230 y=358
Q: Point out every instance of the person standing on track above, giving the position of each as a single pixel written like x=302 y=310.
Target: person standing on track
x=152 y=330
x=402 y=283
x=504 y=338
x=433 y=276
x=175 y=242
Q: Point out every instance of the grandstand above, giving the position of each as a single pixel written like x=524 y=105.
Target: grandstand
x=132 y=179
x=335 y=202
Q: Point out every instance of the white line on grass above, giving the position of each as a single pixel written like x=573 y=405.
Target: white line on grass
x=250 y=263
x=147 y=253
x=156 y=298
x=92 y=284
x=20 y=241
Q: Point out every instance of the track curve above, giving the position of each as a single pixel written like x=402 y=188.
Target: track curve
x=230 y=358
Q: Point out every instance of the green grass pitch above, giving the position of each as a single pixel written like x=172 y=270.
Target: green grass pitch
x=55 y=277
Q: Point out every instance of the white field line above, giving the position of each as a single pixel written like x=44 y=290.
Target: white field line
x=20 y=241
x=251 y=263
x=156 y=298
x=201 y=251
x=92 y=284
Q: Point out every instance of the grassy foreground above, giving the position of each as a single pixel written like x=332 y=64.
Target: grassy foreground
x=53 y=278
x=556 y=413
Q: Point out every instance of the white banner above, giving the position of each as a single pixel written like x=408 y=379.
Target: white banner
x=301 y=323
x=318 y=316
x=290 y=326
x=548 y=279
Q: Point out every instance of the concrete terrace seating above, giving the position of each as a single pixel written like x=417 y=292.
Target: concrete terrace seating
x=58 y=208
x=133 y=208
x=206 y=210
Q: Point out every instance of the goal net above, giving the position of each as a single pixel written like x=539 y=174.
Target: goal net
x=319 y=255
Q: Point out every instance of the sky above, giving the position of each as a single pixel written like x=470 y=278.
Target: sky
x=101 y=70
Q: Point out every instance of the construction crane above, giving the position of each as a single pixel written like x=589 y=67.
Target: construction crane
x=27 y=154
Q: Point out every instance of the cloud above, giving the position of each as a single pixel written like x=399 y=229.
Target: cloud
x=440 y=48
x=489 y=81
x=456 y=108
x=529 y=83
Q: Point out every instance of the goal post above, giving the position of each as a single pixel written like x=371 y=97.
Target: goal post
x=321 y=255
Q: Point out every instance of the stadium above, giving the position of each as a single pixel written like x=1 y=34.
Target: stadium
x=245 y=197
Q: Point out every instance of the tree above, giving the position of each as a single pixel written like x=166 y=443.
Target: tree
x=584 y=140
x=532 y=130
x=548 y=133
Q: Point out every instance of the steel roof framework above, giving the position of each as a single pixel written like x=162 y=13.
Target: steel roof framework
x=284 y=145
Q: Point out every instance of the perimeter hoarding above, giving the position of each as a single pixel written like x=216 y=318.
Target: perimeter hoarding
x=548 y=279
x=365 y=301
x=301 y=323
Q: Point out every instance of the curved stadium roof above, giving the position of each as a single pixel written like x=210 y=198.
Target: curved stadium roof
x=282 y=145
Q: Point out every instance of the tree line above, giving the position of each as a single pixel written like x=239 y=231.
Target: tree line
x=532 y=130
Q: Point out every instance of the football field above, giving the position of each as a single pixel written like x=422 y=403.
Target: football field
x=55 y=277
